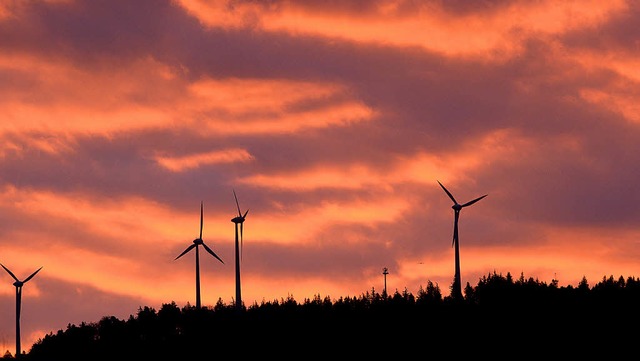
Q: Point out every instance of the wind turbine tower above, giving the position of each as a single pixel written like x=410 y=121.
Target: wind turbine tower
x=239 y=223
x=19 y=285
x=456 y=292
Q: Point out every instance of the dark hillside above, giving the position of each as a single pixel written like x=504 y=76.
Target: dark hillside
x=499 y=317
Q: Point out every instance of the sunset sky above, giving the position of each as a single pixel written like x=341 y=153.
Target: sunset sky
x=333 y=121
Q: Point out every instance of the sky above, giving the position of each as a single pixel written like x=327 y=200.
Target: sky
x=332 y=121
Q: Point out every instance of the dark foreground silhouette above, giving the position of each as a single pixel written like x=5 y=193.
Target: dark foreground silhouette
x=500 y=317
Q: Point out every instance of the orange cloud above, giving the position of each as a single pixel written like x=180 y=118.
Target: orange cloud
x=303 y=225
x=625 y=66
x=65 y=100
x=250 y=95
x=428 y=26
x=620 y=62
x=179 y=164
x=624 y=104
x=238 y=106
x=358 y=176
x=420 y=167
x=101 y=270
x=135 y=222
x=333 y=115
x=74 y=101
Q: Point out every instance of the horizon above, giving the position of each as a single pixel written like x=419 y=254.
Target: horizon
x=372 y=292
x=333 y=123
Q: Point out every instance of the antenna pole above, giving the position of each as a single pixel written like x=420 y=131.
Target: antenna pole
x=385 y=272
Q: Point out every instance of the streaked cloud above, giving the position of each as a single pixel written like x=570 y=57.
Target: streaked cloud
x=431 y=25
x=333 y=122
x=178 y=164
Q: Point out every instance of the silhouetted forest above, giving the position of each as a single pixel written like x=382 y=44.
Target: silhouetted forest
x=500 y=317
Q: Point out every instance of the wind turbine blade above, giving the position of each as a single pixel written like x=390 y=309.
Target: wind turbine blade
x=11 y=273
x=185 y=251
x=245 y=215
x=201 y=219
x=212 y=252
x=237 y=205
x=33 y=274
x=473 y=201
x=448 y=193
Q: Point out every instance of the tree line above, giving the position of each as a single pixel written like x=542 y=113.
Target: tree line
x=493 y=318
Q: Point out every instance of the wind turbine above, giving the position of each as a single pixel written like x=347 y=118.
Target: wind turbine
x=19 y=285
x=239 y=222
x=196 y=244
x=457 y=286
